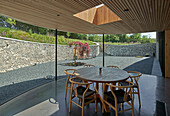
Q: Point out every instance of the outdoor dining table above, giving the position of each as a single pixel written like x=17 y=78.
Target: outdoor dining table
x=101 y=75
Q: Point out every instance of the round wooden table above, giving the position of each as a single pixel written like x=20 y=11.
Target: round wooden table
x=108 y=74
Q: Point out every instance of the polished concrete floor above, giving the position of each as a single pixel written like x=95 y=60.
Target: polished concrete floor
x=48 y=100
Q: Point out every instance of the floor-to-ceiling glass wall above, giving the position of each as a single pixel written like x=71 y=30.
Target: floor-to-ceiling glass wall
x=27 y=61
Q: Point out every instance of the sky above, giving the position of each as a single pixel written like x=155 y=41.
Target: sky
x=150 y=34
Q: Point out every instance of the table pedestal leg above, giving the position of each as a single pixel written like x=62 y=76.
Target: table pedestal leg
x=98 y=95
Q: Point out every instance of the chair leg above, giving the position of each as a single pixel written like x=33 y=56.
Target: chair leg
x=70 y=101
x=103 y=107
x=132 y=108
x=133 y=95
x=95 y=103
x=119 y=106
x=116 y=111
x=66 y=93
x=66 y=89
x=83 y=107
x=103 y=85
x=139 y=97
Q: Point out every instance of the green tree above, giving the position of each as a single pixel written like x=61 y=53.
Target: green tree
x=114 y=38
x=68 y=34
x=122 y=37
x=135 y=37
x=11 y=22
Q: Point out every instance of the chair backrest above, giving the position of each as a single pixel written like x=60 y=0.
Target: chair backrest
x=75 y=84
x=69 y=73
x=89 y=65
x=114 y=67
x=127 y=89
x=135 y=76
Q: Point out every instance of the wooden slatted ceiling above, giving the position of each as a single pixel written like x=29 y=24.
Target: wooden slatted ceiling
x=143 y=15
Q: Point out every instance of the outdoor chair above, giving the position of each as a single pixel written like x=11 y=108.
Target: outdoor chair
x=134 y=76
x=83 y=93
x=89 y=65
x=70 y=74
x=113 y=66
x=114 y=98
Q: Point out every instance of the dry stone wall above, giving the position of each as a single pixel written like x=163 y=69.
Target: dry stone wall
x=131 y=50
x=16 y=54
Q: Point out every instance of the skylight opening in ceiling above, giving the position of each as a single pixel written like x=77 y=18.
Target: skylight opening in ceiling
x=98 y=15
x=99 y=5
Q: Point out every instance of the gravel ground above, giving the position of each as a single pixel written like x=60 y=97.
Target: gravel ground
x=27 y=73
x=16 y=82
x=128 y=63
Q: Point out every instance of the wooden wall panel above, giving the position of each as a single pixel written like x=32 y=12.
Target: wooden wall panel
x=167 y=53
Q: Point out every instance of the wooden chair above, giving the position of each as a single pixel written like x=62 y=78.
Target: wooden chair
x=89 y=65
x=82 y=92
x=70 y=74
x=134 y=76
x=113 y=66
x=114 y=98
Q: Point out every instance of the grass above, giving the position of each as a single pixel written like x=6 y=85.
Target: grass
x=61 y=40
x=119 y=43
x=65 y=41
x=34 y=37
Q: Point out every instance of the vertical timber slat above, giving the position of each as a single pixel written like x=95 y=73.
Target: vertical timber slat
x=103 y=50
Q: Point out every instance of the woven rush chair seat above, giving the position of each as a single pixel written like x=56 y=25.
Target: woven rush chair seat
x=81 y=90
x=124 y=83
x=119 y=94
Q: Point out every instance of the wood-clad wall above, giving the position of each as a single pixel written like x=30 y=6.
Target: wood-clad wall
x=105 y=15
x=167 y=53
